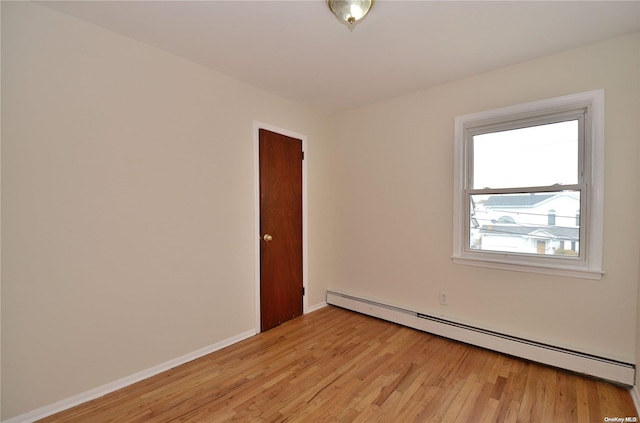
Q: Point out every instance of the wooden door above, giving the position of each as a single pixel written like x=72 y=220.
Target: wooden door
x=281 y=285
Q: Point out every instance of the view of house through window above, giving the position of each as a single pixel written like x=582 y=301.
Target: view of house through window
x=519 y=198
x=535 y=223
x=528 y=186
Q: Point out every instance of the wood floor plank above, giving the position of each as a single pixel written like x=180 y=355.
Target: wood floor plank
x=336 y=365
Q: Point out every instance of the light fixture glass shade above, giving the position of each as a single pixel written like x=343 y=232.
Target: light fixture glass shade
x=350 y=11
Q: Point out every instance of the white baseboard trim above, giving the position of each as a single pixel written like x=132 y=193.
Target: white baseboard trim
x=316 y=307
x=576 y=361
x=635 y=396
x=103 y=390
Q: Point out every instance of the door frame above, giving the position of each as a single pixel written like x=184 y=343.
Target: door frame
x=256 y=202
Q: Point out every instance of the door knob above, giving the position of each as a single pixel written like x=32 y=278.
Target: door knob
x=267 y=237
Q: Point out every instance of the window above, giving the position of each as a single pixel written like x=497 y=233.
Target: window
x=551 y=220
x=529 y=187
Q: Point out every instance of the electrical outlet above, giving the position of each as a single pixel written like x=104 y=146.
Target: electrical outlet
x=444 y=298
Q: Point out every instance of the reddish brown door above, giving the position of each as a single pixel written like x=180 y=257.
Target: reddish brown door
x=280 y=228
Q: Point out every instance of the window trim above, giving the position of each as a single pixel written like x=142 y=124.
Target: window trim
x=592 y=212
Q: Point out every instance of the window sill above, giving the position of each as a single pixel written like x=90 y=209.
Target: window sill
x=545 y=269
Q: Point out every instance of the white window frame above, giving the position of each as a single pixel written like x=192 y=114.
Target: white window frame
x=589 y=265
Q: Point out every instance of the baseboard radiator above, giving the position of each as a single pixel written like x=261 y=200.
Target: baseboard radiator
x=600 y=367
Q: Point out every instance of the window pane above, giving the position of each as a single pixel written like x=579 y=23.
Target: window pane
x=541 y=155
x=545 y=223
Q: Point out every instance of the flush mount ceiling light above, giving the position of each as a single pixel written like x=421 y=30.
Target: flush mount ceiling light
x=350 y=11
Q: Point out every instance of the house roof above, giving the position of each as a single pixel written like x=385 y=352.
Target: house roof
x=521 y=200
x=560 y=232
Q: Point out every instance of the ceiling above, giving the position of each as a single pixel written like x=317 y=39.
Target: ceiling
x=299 y=50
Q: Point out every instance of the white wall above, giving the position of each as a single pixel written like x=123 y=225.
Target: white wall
x=637 y=387
x=0 y=231
x=393 y=178
x=127 y=205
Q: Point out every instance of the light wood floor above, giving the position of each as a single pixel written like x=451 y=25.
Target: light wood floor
x=335 y=365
